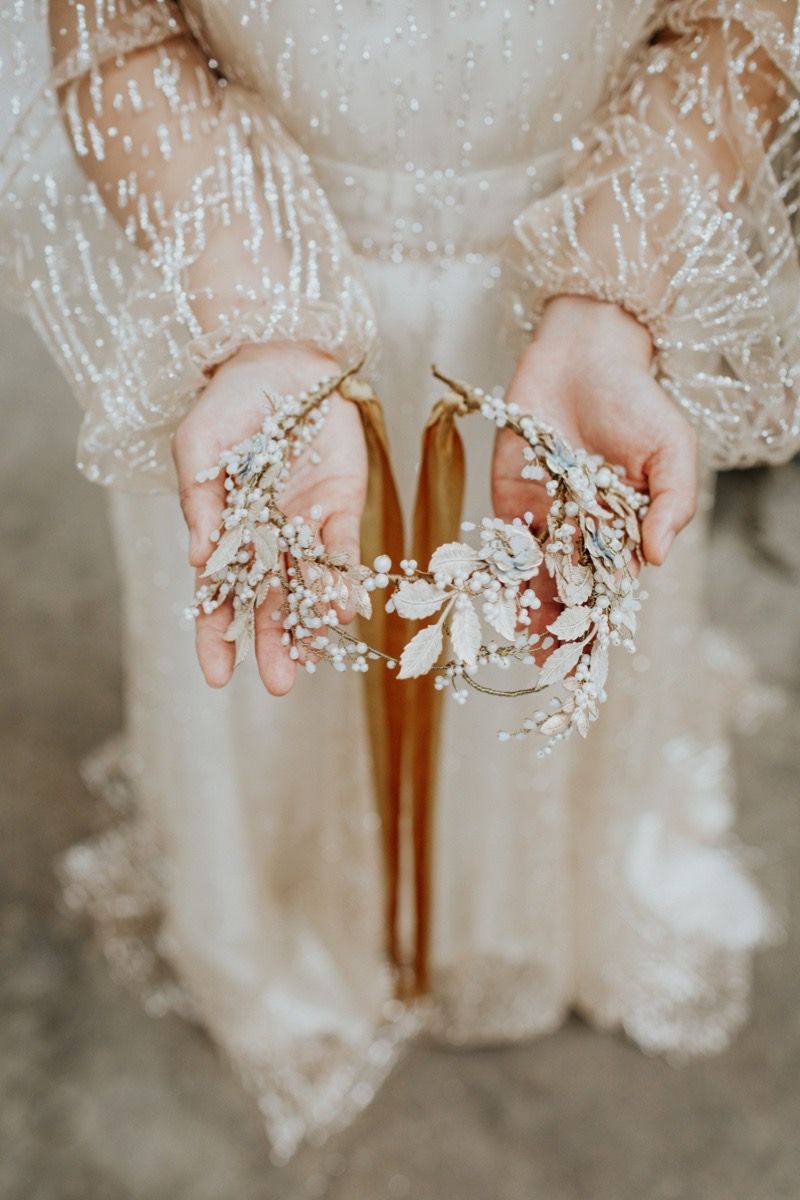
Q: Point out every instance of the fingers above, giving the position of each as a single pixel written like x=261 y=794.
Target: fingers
x=340 y=535
x=513 y=496
x=276 y=668
x=672 y=480
x=215 y=655
x=202 y=504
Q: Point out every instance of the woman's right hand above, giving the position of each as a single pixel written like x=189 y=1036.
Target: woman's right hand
x=232 y=408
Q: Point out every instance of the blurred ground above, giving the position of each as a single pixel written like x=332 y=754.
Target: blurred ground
x=100 y=1102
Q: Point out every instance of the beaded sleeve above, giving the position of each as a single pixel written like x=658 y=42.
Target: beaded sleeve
x=155 y=216
x=680 y=204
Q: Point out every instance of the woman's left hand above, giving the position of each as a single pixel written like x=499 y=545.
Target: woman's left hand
x=587 y=373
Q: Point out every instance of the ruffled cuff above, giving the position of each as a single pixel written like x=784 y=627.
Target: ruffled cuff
x=680 y=206
x=135 y=26
x=255 y=255
x=225 y=239
x=305 y=284
x=726 y=344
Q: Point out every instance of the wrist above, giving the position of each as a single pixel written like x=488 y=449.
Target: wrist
x=284 y=366
x=584 y=323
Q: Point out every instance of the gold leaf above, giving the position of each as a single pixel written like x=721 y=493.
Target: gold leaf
x=574 y=583
x=581 y=722
x=465 y=634
x=615 y=503
x=599 y=666
x=360 y=598
x=572 y=623
x=558 y=664
x=453 y=558
x=633 y=529
x=240 y=631
x=262 y=591
x=421 y=652
x=226 y=551
x=504 y=619
x=266 y=546
x=239 y=622
x=627 y=619
x=243 y=643
x=418 y=599
x=557 y=723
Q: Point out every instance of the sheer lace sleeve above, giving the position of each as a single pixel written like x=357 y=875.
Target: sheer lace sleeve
x=680 y=204
x=154 y=217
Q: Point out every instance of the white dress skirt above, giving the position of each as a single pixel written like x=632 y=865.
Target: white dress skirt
x=243 y=884
x=602 y=878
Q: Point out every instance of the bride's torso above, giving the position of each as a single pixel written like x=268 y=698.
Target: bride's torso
x=430 y=123
x=452 y=85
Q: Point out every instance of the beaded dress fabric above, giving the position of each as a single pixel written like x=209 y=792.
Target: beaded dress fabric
x=411 y=179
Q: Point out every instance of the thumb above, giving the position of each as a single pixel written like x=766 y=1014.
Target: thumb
x=672 y=480
x=203 y=503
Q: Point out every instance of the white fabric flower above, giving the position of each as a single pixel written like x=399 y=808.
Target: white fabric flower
x=513 y=553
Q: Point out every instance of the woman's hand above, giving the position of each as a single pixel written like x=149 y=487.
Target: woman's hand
x=587 y=374
x=231 y=409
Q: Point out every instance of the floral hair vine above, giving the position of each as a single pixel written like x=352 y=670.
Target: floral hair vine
x=588 y=547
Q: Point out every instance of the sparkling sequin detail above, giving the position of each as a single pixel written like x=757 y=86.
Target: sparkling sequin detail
x=166 y=207
x=174 y=219
x=679 y=204
x=159 y=210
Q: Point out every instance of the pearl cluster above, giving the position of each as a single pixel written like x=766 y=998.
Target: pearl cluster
x=588 y=547
x=258 y=548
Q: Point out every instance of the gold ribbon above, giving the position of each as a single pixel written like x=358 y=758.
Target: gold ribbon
x=405 y=720
x=382 y=533
x=437 y=512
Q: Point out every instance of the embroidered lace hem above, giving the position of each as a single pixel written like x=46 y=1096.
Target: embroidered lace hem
x=307 y=1090
x=676 y=976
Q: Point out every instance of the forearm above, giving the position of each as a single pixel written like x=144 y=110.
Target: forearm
x=160 y=219
x=712 y=123
x=154 y=131
x=677 y=206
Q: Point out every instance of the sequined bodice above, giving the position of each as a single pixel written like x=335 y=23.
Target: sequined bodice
x=451 y=85
x=171 y=190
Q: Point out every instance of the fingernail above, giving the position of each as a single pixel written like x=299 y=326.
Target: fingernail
x=666 y=543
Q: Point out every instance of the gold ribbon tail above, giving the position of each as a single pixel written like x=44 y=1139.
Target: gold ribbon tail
x=382 y=533
x=404 y=720
x=437 y=513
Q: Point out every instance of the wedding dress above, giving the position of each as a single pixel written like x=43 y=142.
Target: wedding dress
x=429 y=171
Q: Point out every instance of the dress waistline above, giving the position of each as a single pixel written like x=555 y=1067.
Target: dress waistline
x=397 y=215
